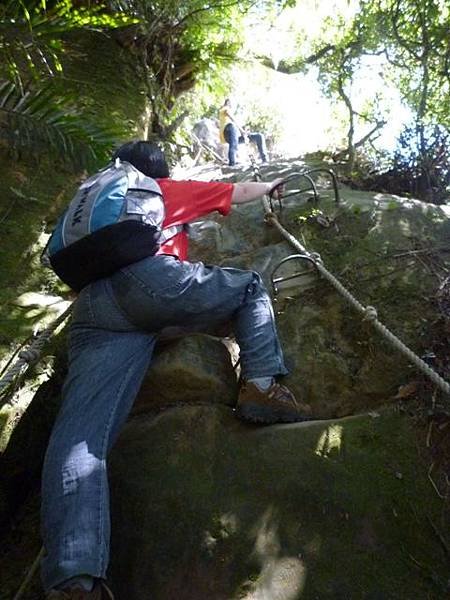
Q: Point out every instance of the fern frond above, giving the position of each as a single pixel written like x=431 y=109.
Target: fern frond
x=31 y=34
x=43 y=121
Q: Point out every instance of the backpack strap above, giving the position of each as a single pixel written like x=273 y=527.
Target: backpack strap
x=170 y=232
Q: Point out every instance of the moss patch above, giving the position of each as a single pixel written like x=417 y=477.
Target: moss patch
x=212 y=508
x=27 y=201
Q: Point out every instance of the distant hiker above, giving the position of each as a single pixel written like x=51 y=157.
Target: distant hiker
x=116 y=323
x=233 y=134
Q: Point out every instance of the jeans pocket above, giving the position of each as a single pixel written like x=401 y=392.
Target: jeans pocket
x=97 y=308
x=82 y=312
x=157 y=276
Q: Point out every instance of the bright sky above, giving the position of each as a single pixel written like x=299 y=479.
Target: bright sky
x=309 y=121
x=305 y=116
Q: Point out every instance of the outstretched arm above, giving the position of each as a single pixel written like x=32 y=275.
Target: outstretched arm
x=247 y=191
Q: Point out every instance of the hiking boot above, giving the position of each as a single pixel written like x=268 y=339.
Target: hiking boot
x=275 y=405
x=100 y=591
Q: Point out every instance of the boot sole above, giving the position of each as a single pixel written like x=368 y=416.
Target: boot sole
x=261 y=414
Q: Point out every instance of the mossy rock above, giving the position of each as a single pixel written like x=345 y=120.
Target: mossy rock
x=388 y=252
x=26 y=433
x=206 y=507
x=193 y=369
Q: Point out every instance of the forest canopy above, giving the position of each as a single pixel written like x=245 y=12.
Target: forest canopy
x=77 y=76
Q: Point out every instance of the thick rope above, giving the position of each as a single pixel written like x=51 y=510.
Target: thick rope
x=29 y=575
x=32 y=354
x=26 y=358
x=369 y=312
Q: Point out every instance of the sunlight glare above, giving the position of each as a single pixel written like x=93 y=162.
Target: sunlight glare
x=307 y=121
x=281 y=577
x=331 y=439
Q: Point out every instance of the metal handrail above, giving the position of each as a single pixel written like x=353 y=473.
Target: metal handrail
x=306 y=175
x=295 y=192
x=274 y=280
x=333 y=179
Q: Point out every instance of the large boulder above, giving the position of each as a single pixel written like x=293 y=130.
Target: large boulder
x=389 y=252
x=207 y=131
x=192 y=369
x=206 y=507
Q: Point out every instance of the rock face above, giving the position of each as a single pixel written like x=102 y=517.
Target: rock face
x=193 y=369
x=207 y=131
x=206 y=507
x=389 y=252
x=342 y=508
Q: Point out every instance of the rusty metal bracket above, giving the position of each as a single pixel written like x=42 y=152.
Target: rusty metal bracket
x=277 y=280
x=333 y=177
x=312 y=187
x=295 y=192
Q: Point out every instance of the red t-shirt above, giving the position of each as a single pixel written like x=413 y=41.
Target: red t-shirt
x=186 y=201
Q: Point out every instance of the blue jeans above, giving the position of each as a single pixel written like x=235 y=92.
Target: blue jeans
x=232 y=137
x=115 y=324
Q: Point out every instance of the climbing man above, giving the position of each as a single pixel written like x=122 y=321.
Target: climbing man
x=234 y=134
x=115 y=325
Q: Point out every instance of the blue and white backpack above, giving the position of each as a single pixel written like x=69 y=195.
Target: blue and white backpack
x=115 y=219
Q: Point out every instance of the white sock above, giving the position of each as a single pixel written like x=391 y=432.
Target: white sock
x=262 y=383
x=84 y=582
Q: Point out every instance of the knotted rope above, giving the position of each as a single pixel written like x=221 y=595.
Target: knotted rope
x=32 y=354
x=369 y=312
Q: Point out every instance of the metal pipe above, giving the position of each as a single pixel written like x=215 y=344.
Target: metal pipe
x=294 y=176
x=274 y=280
x=333 y=179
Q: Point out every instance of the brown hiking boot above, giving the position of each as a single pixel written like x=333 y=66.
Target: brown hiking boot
x=275 y=405
x=100 y=591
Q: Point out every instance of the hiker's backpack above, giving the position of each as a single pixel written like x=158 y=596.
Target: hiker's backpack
x=115 y=219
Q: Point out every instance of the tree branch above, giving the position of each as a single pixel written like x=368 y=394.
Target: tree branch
x=395 y=17
x=292 y=68
x=210 y=6
x=362 y=141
